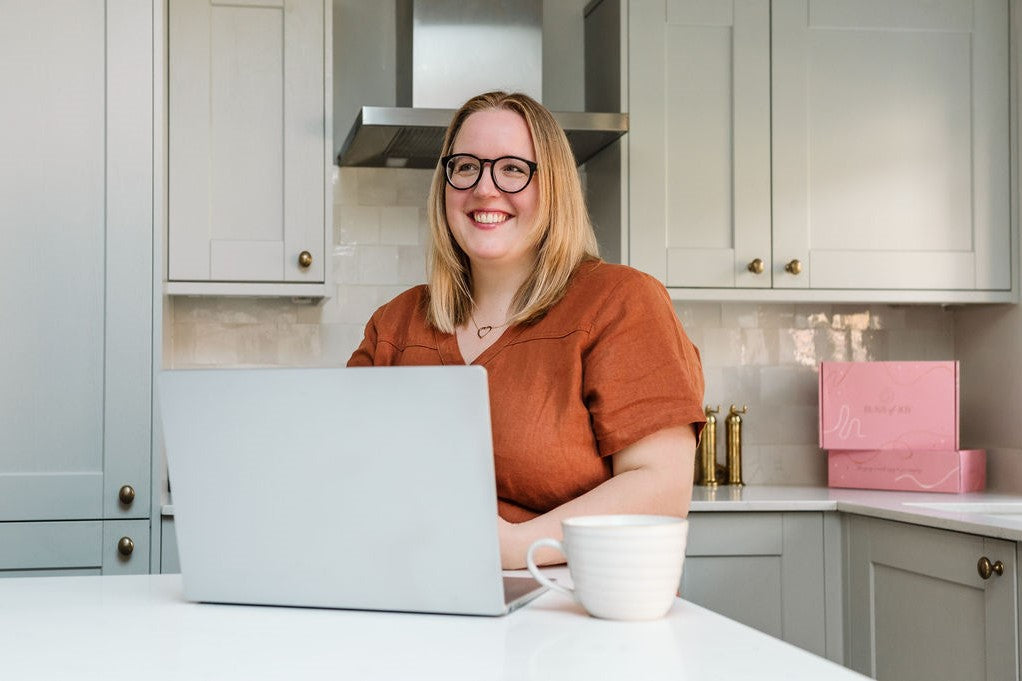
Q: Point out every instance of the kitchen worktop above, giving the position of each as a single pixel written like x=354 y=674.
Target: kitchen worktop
x=1004 y=523
x=94 y=627
x=993 y=515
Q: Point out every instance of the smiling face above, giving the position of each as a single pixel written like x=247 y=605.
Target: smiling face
x=493 y=228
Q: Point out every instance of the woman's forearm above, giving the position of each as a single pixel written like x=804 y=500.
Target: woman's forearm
x=652 y=476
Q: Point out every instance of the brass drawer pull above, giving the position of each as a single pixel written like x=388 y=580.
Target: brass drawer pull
x=756 y=266
x=794 y=267
x=126 y=495
x=986 y=568
x=125 y=546
x=304 y=259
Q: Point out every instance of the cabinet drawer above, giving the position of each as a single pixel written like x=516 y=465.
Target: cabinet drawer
x=74 y=547
x=56 y=545
x=735 y=534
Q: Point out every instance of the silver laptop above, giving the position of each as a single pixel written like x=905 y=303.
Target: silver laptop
x=364 y=488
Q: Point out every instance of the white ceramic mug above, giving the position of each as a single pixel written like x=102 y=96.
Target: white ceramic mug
x=624 y=567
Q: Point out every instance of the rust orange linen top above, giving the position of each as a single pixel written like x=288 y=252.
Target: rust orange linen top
x=606 y=366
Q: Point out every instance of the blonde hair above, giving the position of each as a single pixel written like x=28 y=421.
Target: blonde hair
x=563 y=234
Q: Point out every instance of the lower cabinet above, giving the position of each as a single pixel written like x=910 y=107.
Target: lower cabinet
x=919 y=607
x=776 y=572
x=85 y=547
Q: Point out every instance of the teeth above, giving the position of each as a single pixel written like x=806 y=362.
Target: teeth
x=489 y=218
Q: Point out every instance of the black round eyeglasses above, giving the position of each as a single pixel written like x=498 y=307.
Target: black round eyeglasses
x=510 y=174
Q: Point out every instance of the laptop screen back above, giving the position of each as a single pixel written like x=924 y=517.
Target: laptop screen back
x=368 y=488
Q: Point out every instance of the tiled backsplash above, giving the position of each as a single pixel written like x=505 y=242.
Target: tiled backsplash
x=763 y=356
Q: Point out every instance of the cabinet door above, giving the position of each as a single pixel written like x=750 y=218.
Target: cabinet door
x=890 y=144
x=699 y=141
x=919 y=609
x=246 y=140
x=765 y=570
x=76 y=266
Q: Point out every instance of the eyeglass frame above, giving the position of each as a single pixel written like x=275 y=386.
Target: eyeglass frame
x=532 y=166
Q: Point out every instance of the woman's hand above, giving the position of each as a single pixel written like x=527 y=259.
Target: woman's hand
x=505 y=530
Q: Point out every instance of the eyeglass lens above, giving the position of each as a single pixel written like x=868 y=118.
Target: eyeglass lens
x=509 y=173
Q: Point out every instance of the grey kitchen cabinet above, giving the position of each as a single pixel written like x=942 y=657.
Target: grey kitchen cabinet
x=76 y=281
x=821 y=149
x=918 y=607
x=778 y=572
x=249 y=147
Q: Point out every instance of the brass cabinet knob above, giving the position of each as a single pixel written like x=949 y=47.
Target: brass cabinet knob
x=794 y=267
x=125 y=546
x=986 y=568
x=305 y=258
x=756 y=266
x=126 y=495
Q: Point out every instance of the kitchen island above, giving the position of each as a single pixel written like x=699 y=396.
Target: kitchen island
x=140 y=626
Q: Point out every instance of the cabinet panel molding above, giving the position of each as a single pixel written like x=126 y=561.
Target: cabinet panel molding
x=699 y=142
x=890 y=133
x=768 y=570
x=51 y=496
x=249 y=143
x=919 y=609
x=861 y=151
x=58 y=545
x=742 y=534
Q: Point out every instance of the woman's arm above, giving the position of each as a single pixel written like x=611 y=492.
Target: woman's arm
x=652 y=476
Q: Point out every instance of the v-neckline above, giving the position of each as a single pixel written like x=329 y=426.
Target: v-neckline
x=450 y=352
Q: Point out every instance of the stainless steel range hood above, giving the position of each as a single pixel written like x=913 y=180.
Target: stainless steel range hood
x=404 y=137
x=434 y=80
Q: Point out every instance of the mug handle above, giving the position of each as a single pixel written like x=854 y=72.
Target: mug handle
x=531 y=563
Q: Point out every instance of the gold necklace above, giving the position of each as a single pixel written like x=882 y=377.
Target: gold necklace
x=481 y=331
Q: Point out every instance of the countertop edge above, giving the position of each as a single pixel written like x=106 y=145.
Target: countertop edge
x=887 y=505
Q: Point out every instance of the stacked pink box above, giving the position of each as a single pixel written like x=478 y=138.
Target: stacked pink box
x=894 y=425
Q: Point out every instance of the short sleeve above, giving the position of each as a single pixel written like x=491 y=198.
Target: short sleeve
x=641 y=373
x=365 y=354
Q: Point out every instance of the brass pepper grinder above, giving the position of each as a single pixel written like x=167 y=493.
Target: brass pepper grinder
x=733 y=426
x=707 y=459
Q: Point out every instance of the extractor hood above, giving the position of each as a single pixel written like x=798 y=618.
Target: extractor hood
x=405 y=137
x=436 y=79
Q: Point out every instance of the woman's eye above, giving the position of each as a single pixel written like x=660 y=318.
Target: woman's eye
x=512 y=169
x=466 y=168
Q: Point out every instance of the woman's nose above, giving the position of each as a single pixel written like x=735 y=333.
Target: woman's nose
x=485 y=186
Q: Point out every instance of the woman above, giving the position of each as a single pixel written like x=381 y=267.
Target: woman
x=595 y=391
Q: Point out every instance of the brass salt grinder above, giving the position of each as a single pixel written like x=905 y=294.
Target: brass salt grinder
x=706 y=461
x=733 y=435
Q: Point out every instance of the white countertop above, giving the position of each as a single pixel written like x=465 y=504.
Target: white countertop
x=140 y=627
x=876 y=503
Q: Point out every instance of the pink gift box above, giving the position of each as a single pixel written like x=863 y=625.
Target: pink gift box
x=952 y=471
x=889 y=405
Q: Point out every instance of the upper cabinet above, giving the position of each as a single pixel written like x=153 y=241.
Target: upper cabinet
x=249 y=147
x=822 y=149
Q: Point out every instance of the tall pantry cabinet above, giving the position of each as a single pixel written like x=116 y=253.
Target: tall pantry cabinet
x=76 y=282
